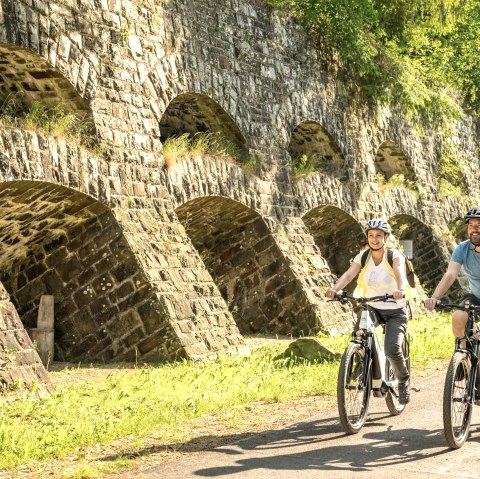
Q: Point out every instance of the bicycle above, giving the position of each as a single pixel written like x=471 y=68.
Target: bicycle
x=461 y=379
x=365 y=369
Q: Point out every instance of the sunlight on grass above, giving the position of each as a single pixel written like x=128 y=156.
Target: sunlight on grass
x=138 y=401
x=55 y=120
x=190 y=146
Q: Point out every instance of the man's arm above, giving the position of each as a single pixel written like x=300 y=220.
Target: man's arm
x=444 y=285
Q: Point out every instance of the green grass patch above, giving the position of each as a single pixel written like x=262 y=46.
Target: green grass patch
x=138 y=401
x=54 y=120
x=188 y=146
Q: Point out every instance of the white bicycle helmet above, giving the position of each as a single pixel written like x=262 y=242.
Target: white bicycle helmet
x=473 y=213
x=382 y=225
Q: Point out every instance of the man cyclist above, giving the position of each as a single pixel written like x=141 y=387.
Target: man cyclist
x=466 y=254
x=377 y=277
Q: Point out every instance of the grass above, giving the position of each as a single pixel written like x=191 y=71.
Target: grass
x=139 y=401
x=55 y=120
x=397 y=180
x=189 y=146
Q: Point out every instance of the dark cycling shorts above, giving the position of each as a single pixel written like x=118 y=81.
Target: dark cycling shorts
x=475 y=300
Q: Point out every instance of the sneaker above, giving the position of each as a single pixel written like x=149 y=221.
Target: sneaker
x=404 y=392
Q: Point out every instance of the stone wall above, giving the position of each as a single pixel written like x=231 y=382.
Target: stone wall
x=20 y=366
x=161 y=260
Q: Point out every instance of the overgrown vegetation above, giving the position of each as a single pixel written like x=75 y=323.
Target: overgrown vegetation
x=397 y=180
x=55 y=120
x=139 y=401
x=304 y=165
x=420 y=55
x=189 y=146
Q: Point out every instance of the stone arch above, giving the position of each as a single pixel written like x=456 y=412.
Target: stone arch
x=58 y=241
x=429 y=259
x=338 y=235
x=198 y=113
x=391 y=160
x=26 y=73
x=312 y=143
x=26 y=78
x=245 y=262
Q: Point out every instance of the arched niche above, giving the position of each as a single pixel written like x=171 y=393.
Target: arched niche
x=313 y=149
x=390 y=160
x=192 y=113
x=25 y=78
x=57 y=241
x=247 y=265
x=430 y=261
x=338 y=235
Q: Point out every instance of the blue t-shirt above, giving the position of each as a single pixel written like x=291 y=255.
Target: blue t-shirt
x=466 y=256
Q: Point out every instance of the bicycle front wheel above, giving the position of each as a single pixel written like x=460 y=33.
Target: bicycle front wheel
x=457 y=406
x=352 y=397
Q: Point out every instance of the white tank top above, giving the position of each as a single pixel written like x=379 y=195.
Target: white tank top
x=379 y=280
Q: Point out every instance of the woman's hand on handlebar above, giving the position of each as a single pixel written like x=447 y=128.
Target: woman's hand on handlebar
x=331 y=293
x=399 y=294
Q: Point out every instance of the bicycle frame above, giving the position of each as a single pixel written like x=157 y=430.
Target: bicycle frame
x=458 y=395
x=374 y=355
x=374 y=352
x=472 y=343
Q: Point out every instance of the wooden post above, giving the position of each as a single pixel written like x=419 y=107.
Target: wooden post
x=45 y=312
x=43 y=335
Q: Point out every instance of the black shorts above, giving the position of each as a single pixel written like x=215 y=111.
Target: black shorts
x=475 y=300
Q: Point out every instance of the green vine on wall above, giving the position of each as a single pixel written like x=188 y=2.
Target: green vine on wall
x=420 y=56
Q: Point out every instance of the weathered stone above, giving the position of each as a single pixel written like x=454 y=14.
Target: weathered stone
x=311 y=349
x=198 y=248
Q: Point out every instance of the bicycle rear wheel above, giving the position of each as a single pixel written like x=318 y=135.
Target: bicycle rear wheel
x=352 y=398
x=457 y=411
x=391 y=399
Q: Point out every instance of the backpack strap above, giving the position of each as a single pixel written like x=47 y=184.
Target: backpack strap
x=390 y=256
x=363 y=259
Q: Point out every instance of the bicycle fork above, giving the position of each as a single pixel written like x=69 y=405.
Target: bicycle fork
x=367 y=345
x=473 y=355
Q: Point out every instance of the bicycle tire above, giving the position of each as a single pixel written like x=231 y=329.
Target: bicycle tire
x=394 y=407
x=457 y=413
x=352 y=400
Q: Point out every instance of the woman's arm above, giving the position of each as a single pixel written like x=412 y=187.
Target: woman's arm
x=345 y=279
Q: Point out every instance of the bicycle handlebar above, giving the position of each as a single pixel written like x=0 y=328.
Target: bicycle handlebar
x=344 y=297
x=462 y=307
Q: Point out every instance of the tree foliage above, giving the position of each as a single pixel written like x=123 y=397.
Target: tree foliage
x=419 y=54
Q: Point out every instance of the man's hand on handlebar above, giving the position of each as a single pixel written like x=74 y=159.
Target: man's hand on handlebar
x=430 y=303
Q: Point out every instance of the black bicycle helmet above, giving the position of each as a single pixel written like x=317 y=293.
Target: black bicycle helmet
x=378 y=224
x=473 y=213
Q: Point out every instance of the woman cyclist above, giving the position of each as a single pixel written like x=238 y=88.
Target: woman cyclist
x=377 y=278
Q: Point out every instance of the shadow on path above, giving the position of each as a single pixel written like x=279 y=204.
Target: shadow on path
x=385 y=448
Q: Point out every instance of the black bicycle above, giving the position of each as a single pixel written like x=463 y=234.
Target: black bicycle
x=365 y=369
x=461 y=379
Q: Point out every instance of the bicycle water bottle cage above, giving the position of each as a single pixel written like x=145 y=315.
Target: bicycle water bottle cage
x=366 y=320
